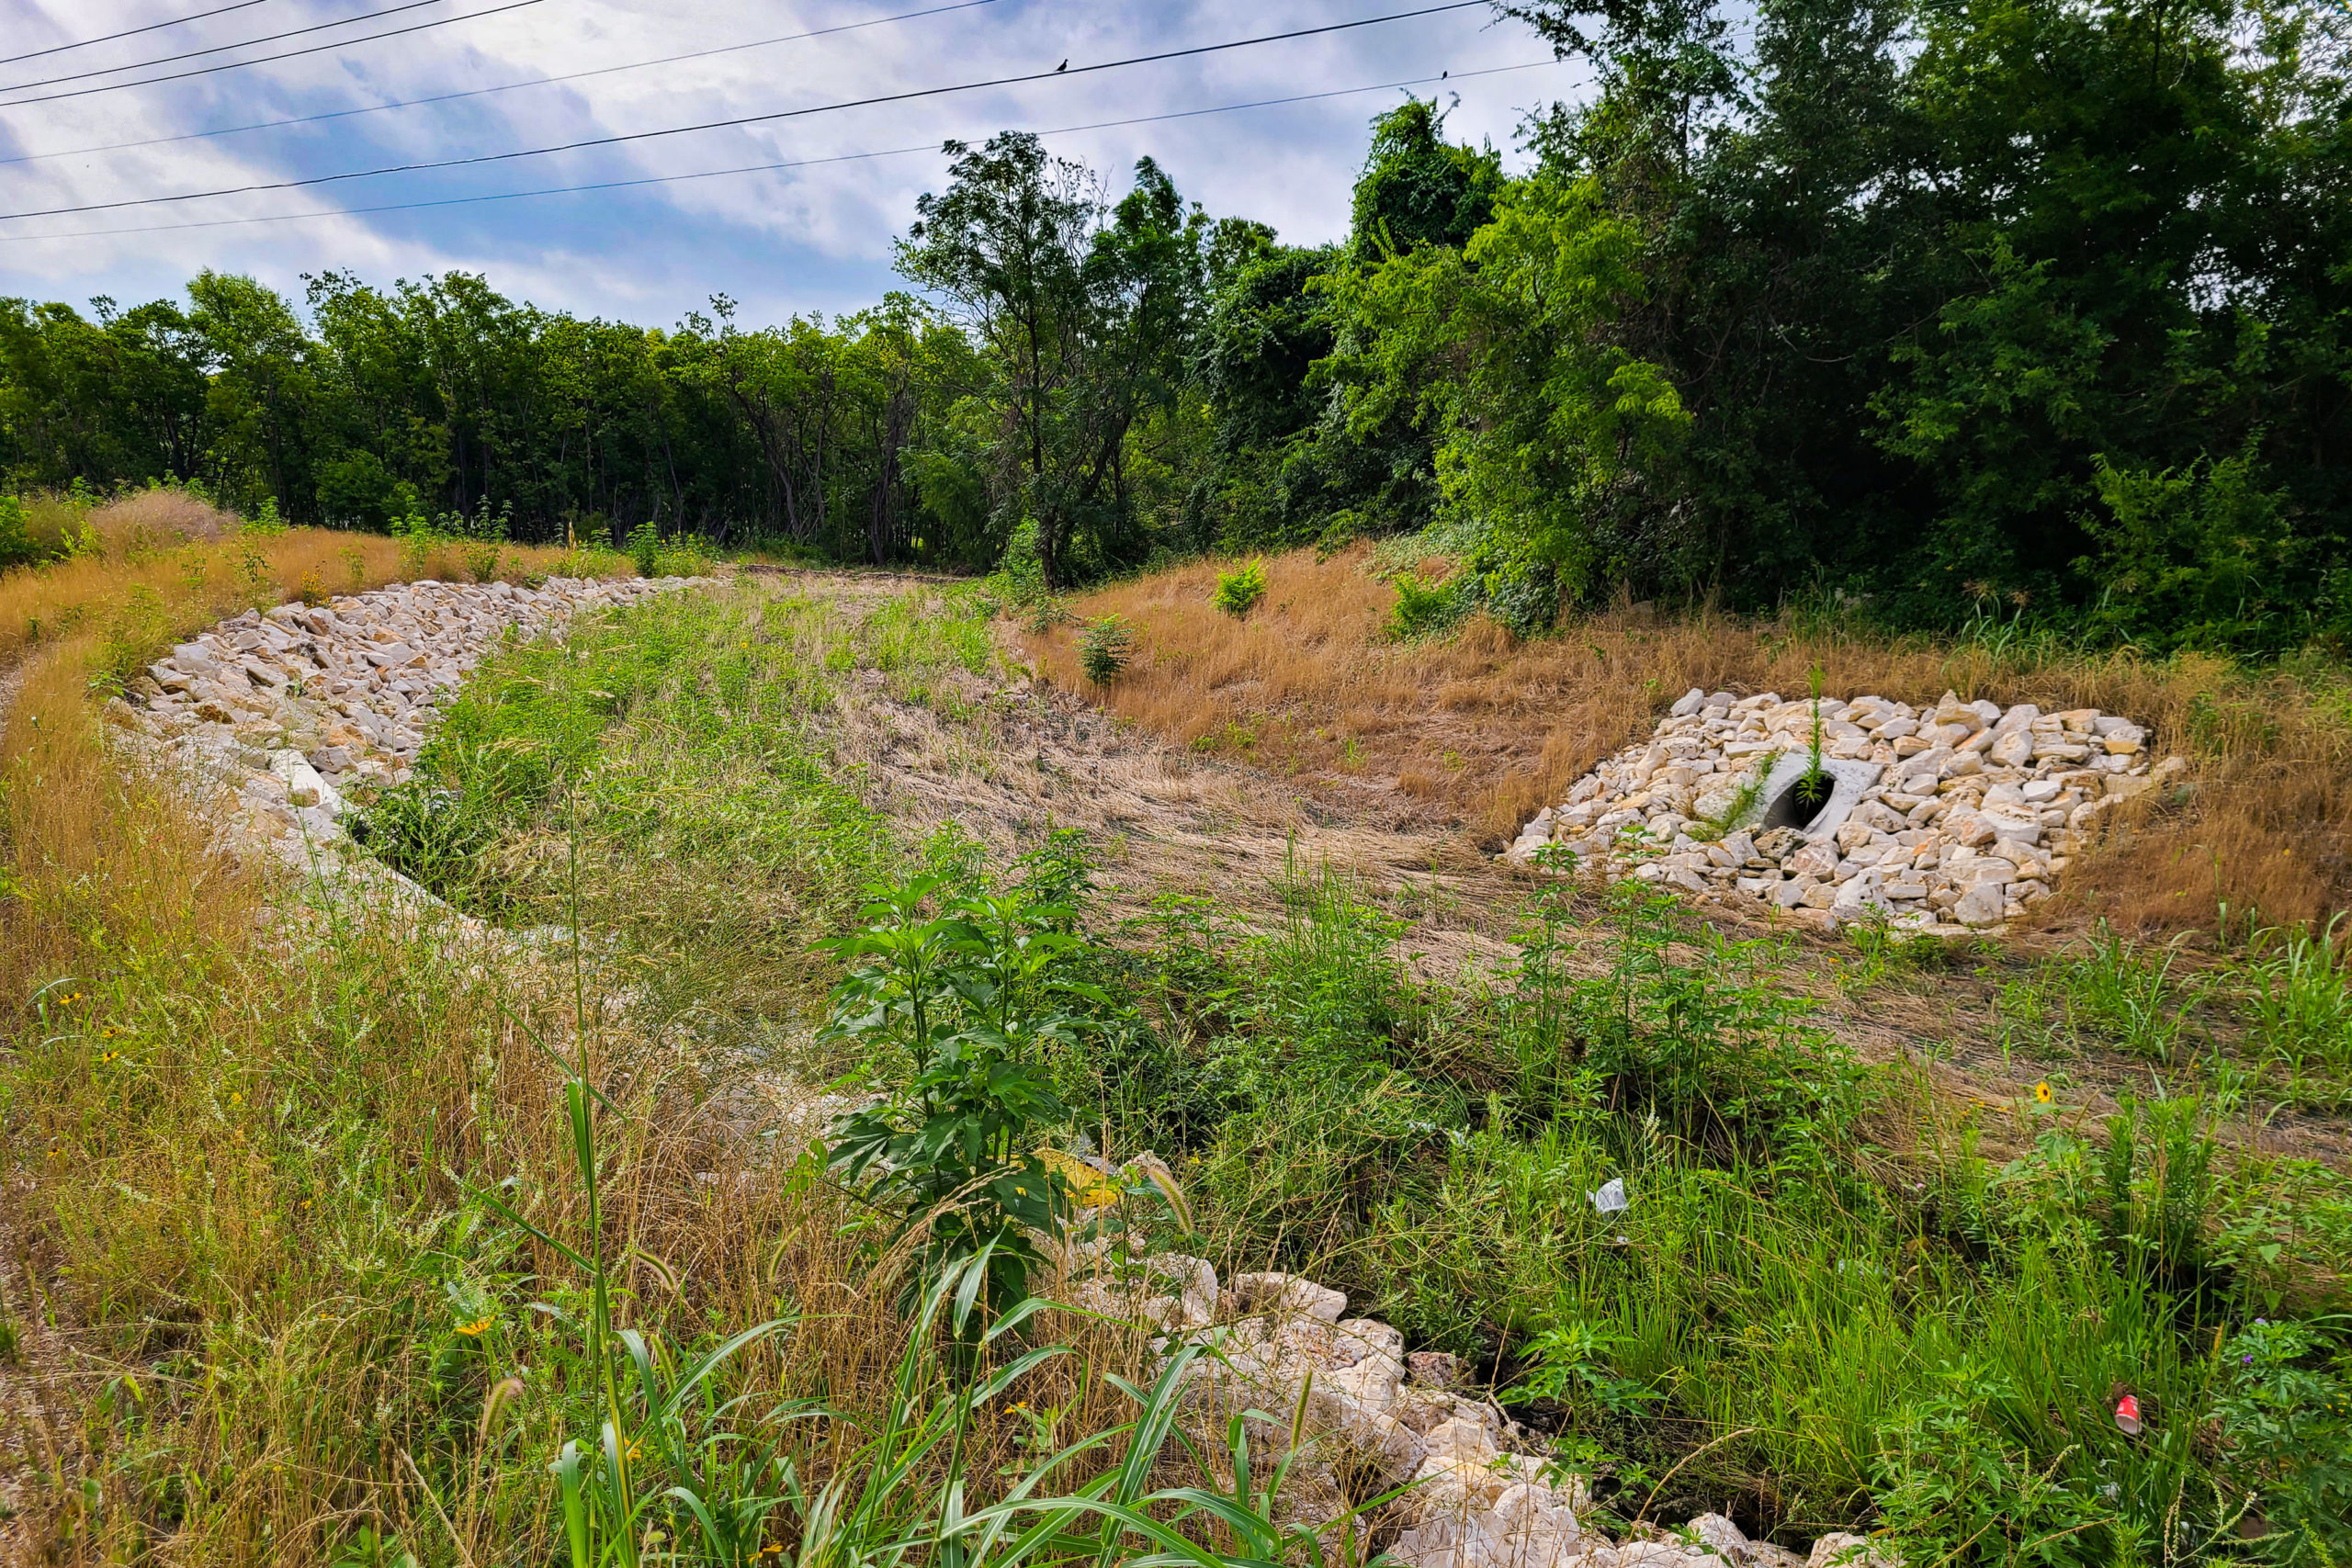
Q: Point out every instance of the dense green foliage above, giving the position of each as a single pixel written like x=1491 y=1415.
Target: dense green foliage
x=2028 y=304
x=445 y=397
x=1951 y=309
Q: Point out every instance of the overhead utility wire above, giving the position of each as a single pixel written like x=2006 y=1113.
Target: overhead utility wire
x=216 y=49
x=508 y=87
x=758 y=168
x=267 y=58
x=1065 y=71
x=129 y=32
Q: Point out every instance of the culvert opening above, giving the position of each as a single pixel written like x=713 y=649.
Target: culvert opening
x=1799 y=806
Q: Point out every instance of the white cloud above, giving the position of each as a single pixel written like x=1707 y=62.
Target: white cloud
x=815 y=236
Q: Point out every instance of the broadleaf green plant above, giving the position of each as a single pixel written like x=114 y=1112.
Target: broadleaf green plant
x=967 y=1003
x=1106 y=647
x=1237 y=592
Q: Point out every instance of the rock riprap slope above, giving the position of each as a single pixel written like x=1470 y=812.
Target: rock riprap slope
x=290 y=709
x=1953 y=816
x=1383 y=1418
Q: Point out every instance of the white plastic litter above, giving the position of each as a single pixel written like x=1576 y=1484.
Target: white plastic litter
x=1612 y=1198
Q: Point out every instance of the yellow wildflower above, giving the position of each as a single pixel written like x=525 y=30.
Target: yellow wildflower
x=473 y=1330
x=2041 y=1092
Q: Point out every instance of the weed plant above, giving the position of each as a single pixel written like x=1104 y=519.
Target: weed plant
x=1106 y=649
x=1813 y=785
x=959 y=1014
x=2298 y=995
x=1425 y=609
x=1238 y=590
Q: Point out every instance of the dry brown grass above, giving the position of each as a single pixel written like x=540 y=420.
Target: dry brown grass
x=198 y=1201
x=169 y=565
x=1483 y=730
x=248 y=1212
x=143 y=520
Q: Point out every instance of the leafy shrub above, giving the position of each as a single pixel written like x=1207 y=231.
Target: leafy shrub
x=1524 y=596
x=419 y=539
x=17 y=547
x=1106 y=647
x=1019 y=584
x=264 y=522
x=1423 y=609
x=683 y=555
x=645 y=548
x=1951 y=1478
x=971 y=999
x=1238 y=592
x=2288 y=1424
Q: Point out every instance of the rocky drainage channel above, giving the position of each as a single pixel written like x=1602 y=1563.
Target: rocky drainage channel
x=286 y=711
x=292 y=707
x=1947 y=818
x=1279 y=1344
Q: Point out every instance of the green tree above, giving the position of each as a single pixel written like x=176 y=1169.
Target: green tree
x=262 y=393
x=1084 y=316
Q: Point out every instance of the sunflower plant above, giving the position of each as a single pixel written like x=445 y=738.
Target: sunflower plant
x=961 y=1008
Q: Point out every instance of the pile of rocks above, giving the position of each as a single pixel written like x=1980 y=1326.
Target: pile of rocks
x=1477 y=1499
x=283 y=712
x=1949 y=817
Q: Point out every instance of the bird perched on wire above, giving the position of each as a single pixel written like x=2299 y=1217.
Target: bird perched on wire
x=1062 y=67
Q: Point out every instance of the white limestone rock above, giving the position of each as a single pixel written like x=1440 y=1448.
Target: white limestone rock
x=2017 y=787
x=1286 y=1294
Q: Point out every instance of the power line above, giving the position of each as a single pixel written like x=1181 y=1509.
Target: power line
x=267 y=58
x=480 y=92
x=762 y=168
x=127 y=32
x=1065 y=71
x=216 y=49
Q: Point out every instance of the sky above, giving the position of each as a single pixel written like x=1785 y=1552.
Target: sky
x=814 y=237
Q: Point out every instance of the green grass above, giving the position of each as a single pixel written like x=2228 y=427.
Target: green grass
x=1780 y=1318
x=666 y=772
x=2272 y=1019
x=1786 y=1315
x=2297 y=991
x=322 y=1205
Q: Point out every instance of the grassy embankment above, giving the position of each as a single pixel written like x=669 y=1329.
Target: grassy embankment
x=258 y=1169
x=1487 y=729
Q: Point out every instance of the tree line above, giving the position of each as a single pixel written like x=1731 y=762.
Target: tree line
x=1929 y=309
